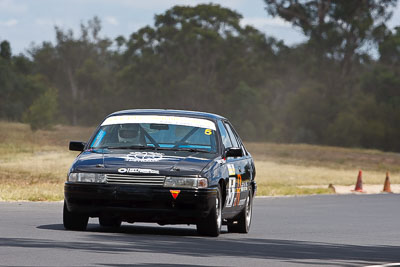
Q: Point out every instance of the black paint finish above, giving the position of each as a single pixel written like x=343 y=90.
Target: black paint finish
x=149 y=203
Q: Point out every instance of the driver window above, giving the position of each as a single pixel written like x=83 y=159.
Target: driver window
x=232 y=135
x=224 y=135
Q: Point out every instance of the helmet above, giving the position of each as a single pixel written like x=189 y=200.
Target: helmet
x=128 y=133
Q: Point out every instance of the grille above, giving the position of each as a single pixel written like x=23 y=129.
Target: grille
x=134 y=179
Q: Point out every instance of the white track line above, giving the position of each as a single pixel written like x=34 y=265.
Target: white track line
x=385 y=265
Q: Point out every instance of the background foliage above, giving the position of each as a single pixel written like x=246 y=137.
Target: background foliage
x=327 y=90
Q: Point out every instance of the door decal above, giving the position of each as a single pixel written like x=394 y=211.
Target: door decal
x=239 y=186
x=234 y=189
x=231 y=191
x=231 y=169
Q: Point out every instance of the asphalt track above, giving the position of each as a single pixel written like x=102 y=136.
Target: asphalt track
x=350 y=230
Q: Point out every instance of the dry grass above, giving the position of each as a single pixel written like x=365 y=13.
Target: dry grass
x=283 y=168
x=330 y=157
x=33 y=165
x=43 y=191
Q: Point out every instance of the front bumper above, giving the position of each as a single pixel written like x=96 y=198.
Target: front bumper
x=139 y=203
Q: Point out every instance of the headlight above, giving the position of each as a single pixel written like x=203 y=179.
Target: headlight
x=186 y=182
x=82 y=177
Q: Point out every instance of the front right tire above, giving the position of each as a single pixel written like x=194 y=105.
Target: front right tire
x=211 y=225
x=74 y=221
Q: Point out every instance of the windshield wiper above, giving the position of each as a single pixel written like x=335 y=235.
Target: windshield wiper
x=183 y=149
x=129 y=147
x=194 y=149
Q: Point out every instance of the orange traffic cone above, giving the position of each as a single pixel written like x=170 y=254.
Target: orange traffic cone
x=386 y=186
x=359 y=185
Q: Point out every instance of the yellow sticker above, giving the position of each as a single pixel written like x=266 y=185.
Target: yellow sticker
x=231 y=169
x=208 y=132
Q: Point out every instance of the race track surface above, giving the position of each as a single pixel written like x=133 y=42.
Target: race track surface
x=351 y=230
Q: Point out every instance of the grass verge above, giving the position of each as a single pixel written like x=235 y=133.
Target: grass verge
x=33 y=165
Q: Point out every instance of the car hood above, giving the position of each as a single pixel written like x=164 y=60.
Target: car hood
x=145 y=162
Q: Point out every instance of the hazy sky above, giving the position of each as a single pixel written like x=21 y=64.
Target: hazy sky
x=25 y=21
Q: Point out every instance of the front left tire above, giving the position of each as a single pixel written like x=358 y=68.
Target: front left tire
x=243 y=221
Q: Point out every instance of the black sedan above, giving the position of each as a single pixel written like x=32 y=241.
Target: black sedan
x=162 y=166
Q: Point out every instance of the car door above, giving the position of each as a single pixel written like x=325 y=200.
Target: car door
x=241 y=172
x=230 y=172
x=248 y=170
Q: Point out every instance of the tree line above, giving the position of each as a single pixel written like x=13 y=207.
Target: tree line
x=328 y=90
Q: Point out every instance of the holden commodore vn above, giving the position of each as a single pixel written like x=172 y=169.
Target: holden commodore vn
x=162 y=166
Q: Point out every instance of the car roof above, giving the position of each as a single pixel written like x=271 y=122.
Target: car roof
x=168 y=112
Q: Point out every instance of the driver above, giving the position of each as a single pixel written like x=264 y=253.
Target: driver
x=130 y=134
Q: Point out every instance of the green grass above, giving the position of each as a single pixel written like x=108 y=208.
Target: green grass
x=33 y=165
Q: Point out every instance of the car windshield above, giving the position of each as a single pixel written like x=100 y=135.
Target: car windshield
x=156 y=133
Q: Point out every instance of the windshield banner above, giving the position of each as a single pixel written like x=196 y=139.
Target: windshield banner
x=184 y=121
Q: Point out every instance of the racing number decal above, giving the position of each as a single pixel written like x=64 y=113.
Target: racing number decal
x=231 y=191
x=234 y=188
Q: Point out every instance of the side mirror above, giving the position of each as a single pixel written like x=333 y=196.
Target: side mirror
x=234 y=152
x=77 y=146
